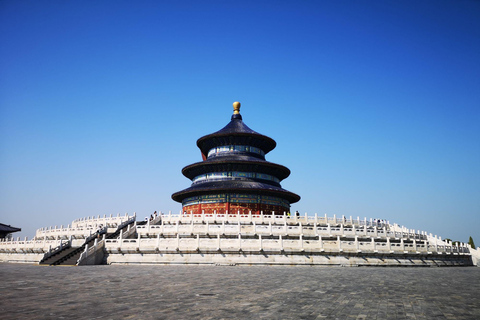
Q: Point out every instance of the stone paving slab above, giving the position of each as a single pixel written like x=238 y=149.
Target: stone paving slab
x=222 y=292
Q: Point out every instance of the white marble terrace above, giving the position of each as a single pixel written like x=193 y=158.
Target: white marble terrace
x=240 y=233
x=279 y=233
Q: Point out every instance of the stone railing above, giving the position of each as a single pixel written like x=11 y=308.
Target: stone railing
x=273 y=244
x=264 y=218
x=126 y=223
x=109 y=221
x=270 y=229
x=276 y=232
x=92 y=255
x=56 y=238
x=32 y=246
x=131 y=231
x=82 y=228
x=55 y=233
x=341 y=226
x=63 y=244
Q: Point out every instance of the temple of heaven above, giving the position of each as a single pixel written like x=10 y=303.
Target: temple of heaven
x=236 y=213
x=234 y=176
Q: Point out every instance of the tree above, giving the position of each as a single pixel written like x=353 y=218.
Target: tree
x=471 y=243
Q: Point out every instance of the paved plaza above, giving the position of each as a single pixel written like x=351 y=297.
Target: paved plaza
x=232 y=292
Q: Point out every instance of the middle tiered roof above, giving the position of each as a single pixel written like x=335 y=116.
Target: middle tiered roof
x=236 y=133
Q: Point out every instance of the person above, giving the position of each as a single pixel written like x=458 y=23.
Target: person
x=288 y=214
x=297 y=213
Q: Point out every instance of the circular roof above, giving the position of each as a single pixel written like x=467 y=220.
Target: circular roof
x=240 y=186
x=195 y=169
x=236 y=133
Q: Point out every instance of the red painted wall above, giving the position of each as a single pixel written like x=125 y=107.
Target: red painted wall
x=233 y=208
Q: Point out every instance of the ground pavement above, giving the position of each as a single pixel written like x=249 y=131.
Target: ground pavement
x=233 y=292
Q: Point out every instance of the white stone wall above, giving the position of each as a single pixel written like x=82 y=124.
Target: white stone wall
x=21 y=257
x=278 y=259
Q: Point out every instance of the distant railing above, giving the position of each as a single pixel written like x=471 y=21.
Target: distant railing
x=105 y=220
x=83 y=228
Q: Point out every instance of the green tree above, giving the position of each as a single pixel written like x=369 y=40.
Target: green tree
x=454 y=243
x=471 y=243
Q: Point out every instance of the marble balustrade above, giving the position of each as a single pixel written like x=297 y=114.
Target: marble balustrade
x=276 y=244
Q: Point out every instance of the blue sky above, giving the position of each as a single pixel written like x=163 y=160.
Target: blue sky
x=375 y=105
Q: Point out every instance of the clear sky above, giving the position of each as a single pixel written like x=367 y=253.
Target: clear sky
x=374 y=105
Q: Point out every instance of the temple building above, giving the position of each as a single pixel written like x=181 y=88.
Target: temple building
x=236 y=213
x=234 y=176
x=6 y=230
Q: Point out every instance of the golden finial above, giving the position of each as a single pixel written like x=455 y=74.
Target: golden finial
x=236 y=107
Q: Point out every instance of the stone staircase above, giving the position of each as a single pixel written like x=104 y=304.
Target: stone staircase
x=57 y=256
x=69 y=256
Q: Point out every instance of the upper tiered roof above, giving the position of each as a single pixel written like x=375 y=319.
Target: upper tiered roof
x=236 y=132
